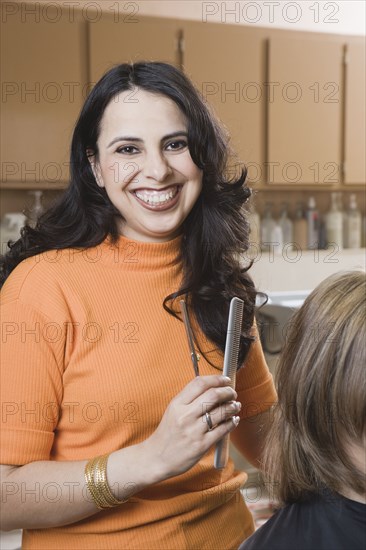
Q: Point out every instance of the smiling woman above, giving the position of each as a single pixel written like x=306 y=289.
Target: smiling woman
x=121 y=443
x=151 y=178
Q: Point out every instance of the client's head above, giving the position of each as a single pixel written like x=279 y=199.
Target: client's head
x=318 y=435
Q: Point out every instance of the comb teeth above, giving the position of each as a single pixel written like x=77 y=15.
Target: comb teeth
x=233 y=338
x=238 y=314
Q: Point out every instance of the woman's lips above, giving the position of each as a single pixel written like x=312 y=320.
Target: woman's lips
x=158 y=200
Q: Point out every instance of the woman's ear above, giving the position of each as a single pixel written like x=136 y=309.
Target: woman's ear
x=95 y=167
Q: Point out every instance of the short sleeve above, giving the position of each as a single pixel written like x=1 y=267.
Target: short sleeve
x=254 y=382
x=31 y=382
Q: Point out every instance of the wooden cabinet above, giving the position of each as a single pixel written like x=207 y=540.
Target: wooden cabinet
x=225 y=63
x=293 y=105
x=131 y=40
x=43 y=83
x=355 y=113
x=304 y=95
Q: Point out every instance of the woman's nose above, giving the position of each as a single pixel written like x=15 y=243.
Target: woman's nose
x=156 y=167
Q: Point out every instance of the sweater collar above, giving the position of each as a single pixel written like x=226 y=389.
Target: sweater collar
x=141 y=256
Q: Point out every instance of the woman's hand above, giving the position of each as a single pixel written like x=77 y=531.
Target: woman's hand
x=183 y=435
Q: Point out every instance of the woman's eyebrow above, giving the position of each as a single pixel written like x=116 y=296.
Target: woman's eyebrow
x=175 y=134
x=124 y=138
x=132 y=138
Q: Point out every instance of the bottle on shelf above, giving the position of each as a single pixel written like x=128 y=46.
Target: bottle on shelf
x=300 y=228
x=267 y=227
x=10 y=228
x=322 y=243
x=287 y=227
x=344 y=218
x=277 y=239
x=255 y=227
x=312 y=216
x=353 y=224
x=334 y=223
x=36 y=209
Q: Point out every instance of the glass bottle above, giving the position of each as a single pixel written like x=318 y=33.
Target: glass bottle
x=36 y=209
x=286 y=226
x=300 y=228
x=334 y=223
x=353 y=224
x=312 y=216
x=255 y=227
x=267 y=227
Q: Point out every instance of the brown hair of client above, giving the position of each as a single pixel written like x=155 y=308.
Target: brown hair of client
x=321 y=385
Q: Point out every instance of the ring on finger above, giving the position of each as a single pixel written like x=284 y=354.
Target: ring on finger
x=209 y=423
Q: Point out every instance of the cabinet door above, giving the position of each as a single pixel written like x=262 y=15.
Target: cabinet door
x=224 y=62
x=43 y=61
x=304 y=111
x=130 y=40
x=355 y=114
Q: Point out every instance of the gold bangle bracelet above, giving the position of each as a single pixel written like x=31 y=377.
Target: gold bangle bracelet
x=89 y=477
x=97 y=483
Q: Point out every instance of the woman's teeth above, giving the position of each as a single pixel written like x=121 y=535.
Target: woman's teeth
x=156 y=198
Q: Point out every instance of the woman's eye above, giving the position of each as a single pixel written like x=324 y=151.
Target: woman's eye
x=176 y=145
x=127 y=150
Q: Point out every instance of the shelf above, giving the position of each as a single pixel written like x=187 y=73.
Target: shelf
x=30 y=186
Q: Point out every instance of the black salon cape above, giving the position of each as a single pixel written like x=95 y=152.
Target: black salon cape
x=328 y=522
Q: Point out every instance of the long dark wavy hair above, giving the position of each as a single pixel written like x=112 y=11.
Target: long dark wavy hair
x=215 y=233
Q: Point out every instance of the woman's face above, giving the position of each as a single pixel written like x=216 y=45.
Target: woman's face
x=145 y=166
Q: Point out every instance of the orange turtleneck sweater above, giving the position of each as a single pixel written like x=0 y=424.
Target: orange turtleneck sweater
x=90 y=361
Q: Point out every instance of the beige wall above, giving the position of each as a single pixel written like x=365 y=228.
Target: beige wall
x=302 y=270
x=342 y=16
